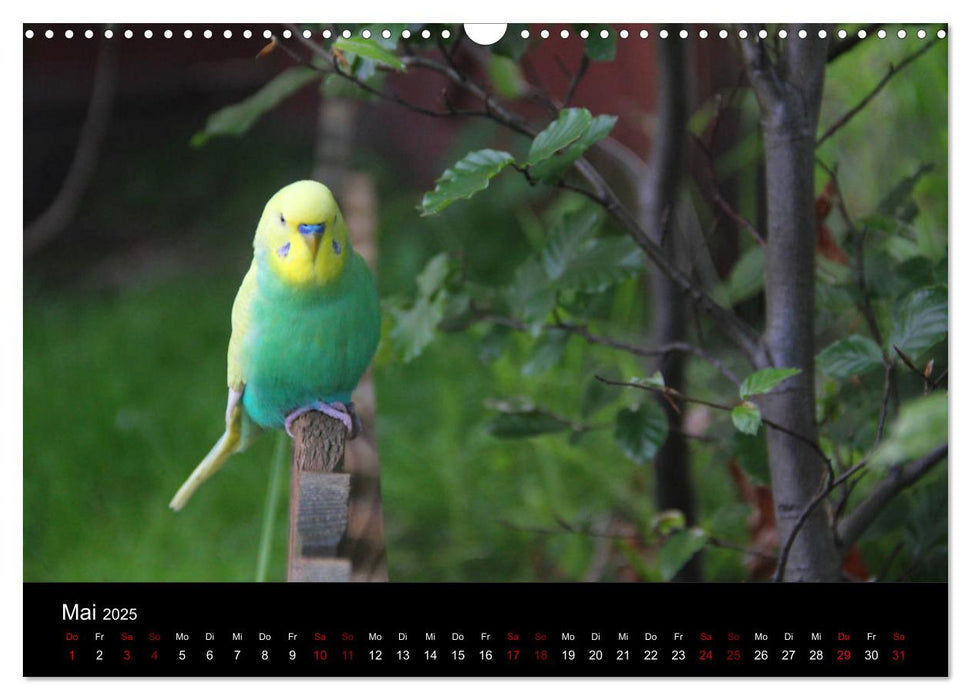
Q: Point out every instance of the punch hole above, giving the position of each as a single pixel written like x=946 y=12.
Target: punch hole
x=902 y=34
x=487 y=34
x=29 y=34
x=327 y=34
x=624 y=33
x=783 y=33
x=307 y=33
x=366 y=34
x=207 y=34
x=187 y=33
x=426 y=34
x=287 y=33
x=723 y=34
x=882 y=33
x=524 y=34
x=129 y=33
x=267 y=34
x=941 y=34
x=545 y=34
x=643 y=34
x=921 y=34
x=69 y=34
x=247 y=34
x=168 y=34
x=405 y=34
x=663 y=33
x=703 y=34
x=148 y=33
x=584 y=34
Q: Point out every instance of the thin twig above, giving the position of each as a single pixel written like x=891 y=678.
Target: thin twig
x=605 y=341
x=839 y=48
x=899 y=478
x=893 y=70
x=673 y=393
x=577 y=77
x=717 y=197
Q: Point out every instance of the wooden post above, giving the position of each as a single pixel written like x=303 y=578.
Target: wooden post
x=319 y=498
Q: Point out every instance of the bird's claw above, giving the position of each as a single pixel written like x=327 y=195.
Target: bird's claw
x=344 y=413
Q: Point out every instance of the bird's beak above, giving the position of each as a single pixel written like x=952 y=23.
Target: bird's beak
x=312 y=233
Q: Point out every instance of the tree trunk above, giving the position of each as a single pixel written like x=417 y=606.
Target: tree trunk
x=674 y=488
x=789 y=96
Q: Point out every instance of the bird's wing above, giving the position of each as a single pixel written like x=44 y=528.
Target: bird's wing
x=242 y=317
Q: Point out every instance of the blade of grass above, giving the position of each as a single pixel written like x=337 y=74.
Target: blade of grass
x=270 y=506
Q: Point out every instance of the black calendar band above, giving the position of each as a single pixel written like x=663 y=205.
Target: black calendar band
x=339 y=630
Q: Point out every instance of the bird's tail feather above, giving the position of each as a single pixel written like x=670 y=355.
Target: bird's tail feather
x=220 y=452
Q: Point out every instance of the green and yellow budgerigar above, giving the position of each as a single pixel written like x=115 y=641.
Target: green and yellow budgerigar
x=306 y=322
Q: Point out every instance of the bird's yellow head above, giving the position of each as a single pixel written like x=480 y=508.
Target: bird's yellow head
x=302 y=237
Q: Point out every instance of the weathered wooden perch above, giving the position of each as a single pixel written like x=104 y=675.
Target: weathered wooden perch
x=319 y=497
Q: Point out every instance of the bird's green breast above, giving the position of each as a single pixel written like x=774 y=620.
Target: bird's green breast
x=308 y=344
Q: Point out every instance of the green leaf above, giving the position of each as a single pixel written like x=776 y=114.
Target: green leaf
x=368 y=48
x=469 y=175
x=494 y=343
x=668 y=521
x=547 y=352
x=564 y=130
x=747 y=417
x=600 y=48
x=678 y=549
x=512 y=44
x=919 y=322
x=640 y=432
x=765 y=380
x=566 y=239
x=552 y=169
x=415 y=327
x=746 y=279
x=506 y=76
x=920 y=427
x=530 y=292
x=526 y=423
x=898 y=203
x=751 y=454
x=236 y=120
x=601 y=263
x=850 y=356
x=432 y=277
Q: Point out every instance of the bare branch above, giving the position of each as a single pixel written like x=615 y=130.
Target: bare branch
x=577 y=77
x=839 y=123
x=62 y=209
x=851 y=42
x=899 y=478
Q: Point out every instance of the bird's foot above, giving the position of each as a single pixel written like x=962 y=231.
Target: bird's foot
x=344 y=413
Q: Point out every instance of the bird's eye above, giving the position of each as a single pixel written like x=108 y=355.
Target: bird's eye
x=282 y=220
x=337 y=247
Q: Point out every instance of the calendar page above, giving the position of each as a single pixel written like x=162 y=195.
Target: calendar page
x=546 y=349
